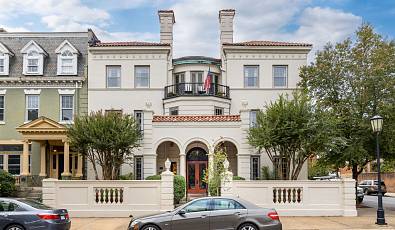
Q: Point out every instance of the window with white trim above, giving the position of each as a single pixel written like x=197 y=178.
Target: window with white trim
x=141 y=76
x=251 y=76
x=139 y=117
x=67 y=107
x=2 y=107
x=33 y=62
x=253 y=117
x=14 y=164
x=2 y=62
x=280 y=74
x=67 y=59
x=173 y=111
x=113 y=76
x=67 y=62
x=138 y=168
x=255 y=167
x=32 y=107
x=218 y=111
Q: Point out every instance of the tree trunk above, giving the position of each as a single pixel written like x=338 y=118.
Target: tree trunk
x=355 y=172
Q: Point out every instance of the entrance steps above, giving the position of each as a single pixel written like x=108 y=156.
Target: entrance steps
x=33 y=193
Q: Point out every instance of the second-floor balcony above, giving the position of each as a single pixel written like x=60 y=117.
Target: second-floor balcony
x=196 y=89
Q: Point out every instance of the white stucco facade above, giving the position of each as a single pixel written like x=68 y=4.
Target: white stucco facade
x=178 y=114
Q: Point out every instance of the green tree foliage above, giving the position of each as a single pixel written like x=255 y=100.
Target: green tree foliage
x=7 y=184
x=106 y=139
x=292 y=130
x=216 y=171
x=354 y=80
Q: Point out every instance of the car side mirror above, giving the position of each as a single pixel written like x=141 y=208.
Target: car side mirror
x=182 y=212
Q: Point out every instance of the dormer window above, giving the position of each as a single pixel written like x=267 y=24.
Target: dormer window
x=33 y=59
x=67 y=59
x=4 y=59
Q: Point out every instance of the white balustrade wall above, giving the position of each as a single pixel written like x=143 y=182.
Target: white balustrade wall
x=297 y=198
x=105 y=198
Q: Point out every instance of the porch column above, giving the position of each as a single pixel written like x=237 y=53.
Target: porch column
x=25 y=159
x=79 y=165
x=183 y=171
x=42 y=160
x=66 y=155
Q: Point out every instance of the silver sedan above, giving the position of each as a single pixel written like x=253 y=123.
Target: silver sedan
x=212 y=213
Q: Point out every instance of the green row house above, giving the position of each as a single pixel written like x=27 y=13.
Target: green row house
x=43 y=86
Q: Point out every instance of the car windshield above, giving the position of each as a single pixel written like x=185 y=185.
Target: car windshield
x=35 y=204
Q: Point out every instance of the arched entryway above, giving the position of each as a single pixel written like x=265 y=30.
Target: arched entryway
x=168 y=150
x=231 y=153
x=197 y=162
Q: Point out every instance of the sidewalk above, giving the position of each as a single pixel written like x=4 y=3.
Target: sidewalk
x=289 y=223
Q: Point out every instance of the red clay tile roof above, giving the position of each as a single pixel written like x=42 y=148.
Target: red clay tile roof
x=267 y=43
x=197 y=118
x=109 y=44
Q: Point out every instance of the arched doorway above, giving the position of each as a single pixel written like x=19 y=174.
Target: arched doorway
x=197 y=160
x=168 y=150
x=231 y=152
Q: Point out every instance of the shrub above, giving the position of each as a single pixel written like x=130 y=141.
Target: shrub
x=238 y=178
x=128 y=176
x=153 y=177
x=179 y=188
x=266 y=174
x=7 y=184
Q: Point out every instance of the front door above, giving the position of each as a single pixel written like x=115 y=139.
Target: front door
x=196 y=174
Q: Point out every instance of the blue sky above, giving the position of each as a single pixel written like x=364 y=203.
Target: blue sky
x=196 y=29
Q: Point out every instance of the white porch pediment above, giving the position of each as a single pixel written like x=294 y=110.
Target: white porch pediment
x=66 y=45
x=33 y=45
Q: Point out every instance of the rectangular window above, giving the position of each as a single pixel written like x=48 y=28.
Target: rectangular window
x=280 y=76
x=113 y=76
x=255 y=167
x=2 y=107
x=32 y=65
x=253 y=114
x=218 y=111
x=32 y=107
x=280 y=167
x=173 y=111
x=138 y=168
x=2 y=162
x=14 y=164
x=179 y=78
x=251 y=76
x=139 y=117
x=2 y=64
x=141 y=76
x=67 y=65
x=67 y=107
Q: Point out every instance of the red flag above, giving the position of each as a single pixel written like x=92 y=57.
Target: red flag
x=207 y=82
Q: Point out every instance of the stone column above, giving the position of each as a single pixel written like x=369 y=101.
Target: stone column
x=183 y=170
x=349 y=206
x=25 y=159
x=66 y=154
x=42 y=160
x=79 y=166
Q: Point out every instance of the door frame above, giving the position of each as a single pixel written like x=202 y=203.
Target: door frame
x=198 y=182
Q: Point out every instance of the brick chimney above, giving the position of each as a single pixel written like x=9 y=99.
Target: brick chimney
x=166 y=20
x=226 y=25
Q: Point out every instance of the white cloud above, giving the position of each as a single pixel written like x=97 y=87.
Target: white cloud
x=14 y=29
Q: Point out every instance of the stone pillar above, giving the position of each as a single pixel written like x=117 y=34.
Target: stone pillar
x=25 y=159
x=66 y=155
x=183 y=169
x=79 y=166
x=42 y=160
x=349 y=203
x=166 y=189
x=49 y=192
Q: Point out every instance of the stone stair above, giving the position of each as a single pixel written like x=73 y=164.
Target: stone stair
x=34 y=193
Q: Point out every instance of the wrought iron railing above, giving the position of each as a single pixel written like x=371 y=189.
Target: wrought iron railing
x=196 y=89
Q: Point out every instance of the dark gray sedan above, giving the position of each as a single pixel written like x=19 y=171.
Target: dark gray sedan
x=23 y=214
x=212 y=213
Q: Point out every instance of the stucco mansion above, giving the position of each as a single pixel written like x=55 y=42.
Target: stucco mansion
x=48 y=78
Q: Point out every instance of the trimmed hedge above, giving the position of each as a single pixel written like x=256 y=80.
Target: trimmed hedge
x=7 y=184
x=238 y=178
x=179 y=186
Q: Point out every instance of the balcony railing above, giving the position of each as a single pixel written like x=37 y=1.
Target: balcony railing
x=196 y=89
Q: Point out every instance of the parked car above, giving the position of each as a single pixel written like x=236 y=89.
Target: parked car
x=211 y=213
x=24 y=214
x=360 y=194
x=371 y=187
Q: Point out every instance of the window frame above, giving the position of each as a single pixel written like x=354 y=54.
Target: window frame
x=286 y=76
x=245 y=77
x=27 y=108
x=72 y=65
x=209 y=205
x=141 y=121
x=2 y=120
x=61 y=108
x=252 y=124
x=217 y=108
x=174 y=109
x=252 y=167
x=135 y=76
x=3 y=59
x=2 y=162
x=31 y=58
x=108 y=67
x=20 y=163
x=141 y=159
x=212 y=208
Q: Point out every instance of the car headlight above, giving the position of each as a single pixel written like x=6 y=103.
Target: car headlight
x=135 y=222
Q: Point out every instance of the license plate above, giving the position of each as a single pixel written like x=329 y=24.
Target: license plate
x=62 y=217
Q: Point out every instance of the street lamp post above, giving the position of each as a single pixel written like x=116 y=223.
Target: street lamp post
x=377 y=125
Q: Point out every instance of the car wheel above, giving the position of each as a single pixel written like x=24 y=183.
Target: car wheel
x=247 y=226
x=150 y=227
x=365 y=191
x=360 y=200
x=14 y=227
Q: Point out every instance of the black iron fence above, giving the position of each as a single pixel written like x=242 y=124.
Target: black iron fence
x=196 y=89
